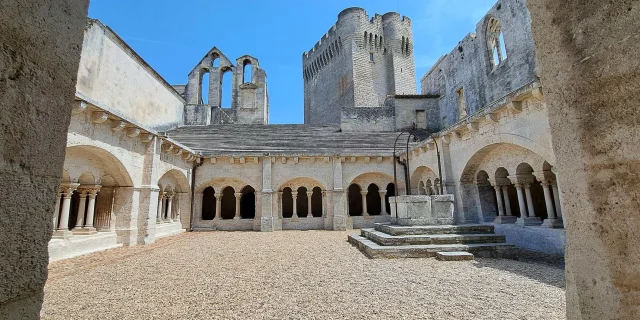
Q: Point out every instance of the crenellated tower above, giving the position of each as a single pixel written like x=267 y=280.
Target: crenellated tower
x=358 y=63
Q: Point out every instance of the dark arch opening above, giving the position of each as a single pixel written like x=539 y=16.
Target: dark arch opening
x=316 y=202
x=302 y=202
x=391 y=192
x=501 y=175
x=355 y=200
x=75 y=204
x=226 y=88
x=208 y=204
x=537 y=192
x=204 y=87
x=228 y=205
x=373 y=200
x=287 y=203
x=247 y=73
x=248 y=203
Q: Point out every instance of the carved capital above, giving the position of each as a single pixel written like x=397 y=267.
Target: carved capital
x=118 y=125
x=132 y=132
x=99 y=116
x=78 y=106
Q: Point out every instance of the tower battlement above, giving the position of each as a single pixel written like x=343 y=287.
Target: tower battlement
x=357 y=63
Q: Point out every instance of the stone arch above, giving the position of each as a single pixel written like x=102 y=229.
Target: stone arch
x=420 y=175
x=220 y=183
x=99 y=162
x=496 y=49
x=302 y=204
x=374 y=206
x=297 y=182
x=524 y=174
x=380 y=179
x=486 y=197
x=317 y=207
x=176 y=179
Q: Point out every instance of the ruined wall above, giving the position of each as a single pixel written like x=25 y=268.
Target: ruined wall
x=357 y=63
x=249 y=100
x=113 y=77
x=367 y=119
x=419 y=110
x=469 y=66
x=39 y=56
x=588 y=58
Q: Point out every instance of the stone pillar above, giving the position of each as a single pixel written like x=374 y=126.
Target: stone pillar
x=551 y=221
x=383 y=204
x=82 y=206
x=324 y=204
x=504 y=211
x=91 y=208
x=556 y=199
x=346 y=203
x=218 y=215
x=530 y=219
x=169 y=206
x=238 y=197
x=364 y=203
x=294 y=195
x=499 y=200
x=159 y=215
x=507 y=202
x=280 y=206
x=309 y=193
x=56 y=213
x=63 y=225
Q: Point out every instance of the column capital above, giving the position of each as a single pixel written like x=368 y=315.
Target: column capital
x=309 y=194
x=68 y=188
x=238 y=195
x=382 y=193
x=218 y=199
x=363 y=193
x=294 y=193
x=324 y=193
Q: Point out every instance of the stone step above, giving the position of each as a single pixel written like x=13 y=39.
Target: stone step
x=385 y=239
x=483 y=250
x=454 y=256
x=397 y=230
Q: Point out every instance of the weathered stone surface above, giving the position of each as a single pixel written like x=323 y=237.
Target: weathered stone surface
x=588 y=62
x=454 y=256
x=39 y=54
x=422 y=210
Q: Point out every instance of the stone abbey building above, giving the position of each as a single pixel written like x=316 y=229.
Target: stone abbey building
x=146 y=159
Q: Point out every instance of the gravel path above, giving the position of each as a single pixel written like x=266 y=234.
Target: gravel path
x=292 y=275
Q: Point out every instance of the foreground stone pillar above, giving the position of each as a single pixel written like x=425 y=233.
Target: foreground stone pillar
x=39 y=55
x=364 y=203
x=238 y=197
x=587 y=54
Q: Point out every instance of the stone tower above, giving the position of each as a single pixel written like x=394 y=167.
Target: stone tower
x=249 y=99
x=357 y=63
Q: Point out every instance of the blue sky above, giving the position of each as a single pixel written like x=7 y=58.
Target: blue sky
x=172 y=36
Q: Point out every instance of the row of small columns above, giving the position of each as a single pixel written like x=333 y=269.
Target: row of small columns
x=164 y=212
x=364 y=201
x=294 y=194
x=86 y=193
x=237 y=216
x=523 y=189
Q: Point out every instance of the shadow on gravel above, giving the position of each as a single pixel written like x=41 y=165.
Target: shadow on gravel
x=555 y=279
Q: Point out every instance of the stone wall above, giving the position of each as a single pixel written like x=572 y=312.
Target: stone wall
x=357 y=63
x=469 y=66
x=113 y=77
x=39 y=56
x=588 y=59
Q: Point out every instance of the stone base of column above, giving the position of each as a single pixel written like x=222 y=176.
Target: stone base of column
x=505 y=219
x=266 y=224
x=553 y=223
x=529 y=221
x=85 y=231
x=62 y=234
x=339 y=223
x=295 y=219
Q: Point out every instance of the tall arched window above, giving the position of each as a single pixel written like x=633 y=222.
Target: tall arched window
x=248 y=203
x=228 y=203
x=247 y=72
x=204 y=87
x=495 y=42
x=226 y=84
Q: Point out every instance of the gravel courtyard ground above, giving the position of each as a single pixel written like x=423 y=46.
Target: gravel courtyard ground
x=292 y=275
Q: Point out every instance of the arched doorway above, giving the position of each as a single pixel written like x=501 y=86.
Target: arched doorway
x=287 y=203
x=355 y=200
x=302 y=202
x=248 y=203
x=316 y=202
x=374 y=205
x=208 y=204
x=228 y=203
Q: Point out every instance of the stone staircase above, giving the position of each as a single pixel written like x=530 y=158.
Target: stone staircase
x=394 y=241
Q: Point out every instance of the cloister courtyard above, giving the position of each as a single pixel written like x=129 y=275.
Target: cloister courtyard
x=295 y=275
